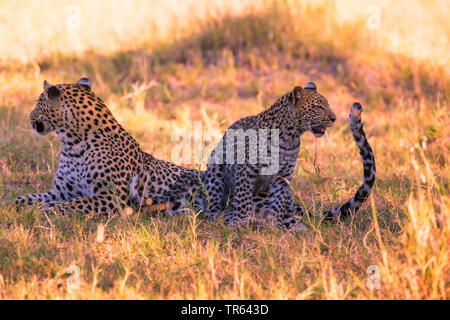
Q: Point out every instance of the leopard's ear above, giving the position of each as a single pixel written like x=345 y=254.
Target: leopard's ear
x=85 y=83
x=297 y=92
x=52 y=91
x=311 y=86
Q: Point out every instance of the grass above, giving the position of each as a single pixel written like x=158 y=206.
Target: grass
x=216 y=68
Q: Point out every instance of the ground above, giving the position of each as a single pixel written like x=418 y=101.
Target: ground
x=216 y=70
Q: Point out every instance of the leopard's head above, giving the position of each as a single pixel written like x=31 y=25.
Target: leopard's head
x=312 y=110
x=69 y=109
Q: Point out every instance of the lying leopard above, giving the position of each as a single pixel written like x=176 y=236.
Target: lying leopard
x=98 y=157
x=242 y=191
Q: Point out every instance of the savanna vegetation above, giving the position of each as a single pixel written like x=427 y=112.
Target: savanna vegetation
x=160 y=67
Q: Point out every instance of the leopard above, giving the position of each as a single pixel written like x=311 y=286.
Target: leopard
x=98 y=156
x=242 y=193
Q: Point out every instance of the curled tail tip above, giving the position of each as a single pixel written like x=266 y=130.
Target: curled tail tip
x=355 y=111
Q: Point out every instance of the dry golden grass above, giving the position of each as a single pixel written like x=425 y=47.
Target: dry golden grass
x=161 y=67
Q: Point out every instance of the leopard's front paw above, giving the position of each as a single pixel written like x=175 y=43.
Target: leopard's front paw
x=211 y=215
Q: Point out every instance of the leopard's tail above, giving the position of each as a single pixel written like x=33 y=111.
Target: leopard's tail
x=368 y=160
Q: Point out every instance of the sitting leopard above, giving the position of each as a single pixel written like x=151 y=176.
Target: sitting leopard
x=98 y=156
x=244 y=192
